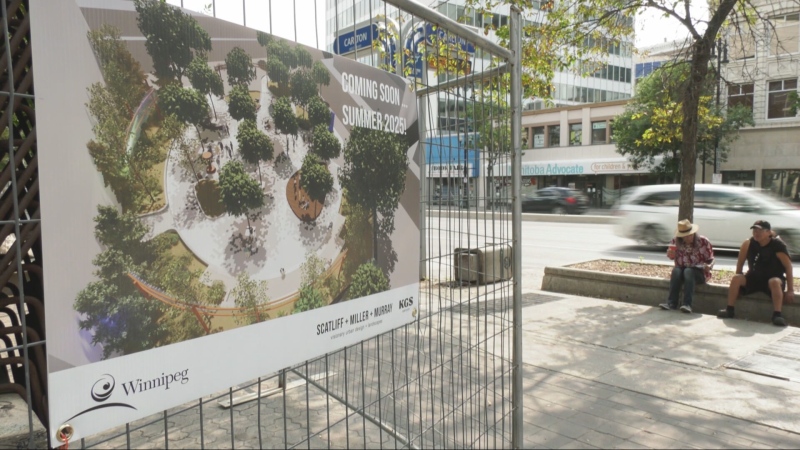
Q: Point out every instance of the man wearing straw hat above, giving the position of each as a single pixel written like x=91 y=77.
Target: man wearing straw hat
x=694 y=257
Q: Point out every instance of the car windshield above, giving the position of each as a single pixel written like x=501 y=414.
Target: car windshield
x=770 y=202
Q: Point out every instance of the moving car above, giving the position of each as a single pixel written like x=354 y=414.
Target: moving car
x=556 y=200
x=649 y=214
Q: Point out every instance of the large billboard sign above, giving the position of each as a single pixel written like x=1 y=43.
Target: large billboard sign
x=204 y=220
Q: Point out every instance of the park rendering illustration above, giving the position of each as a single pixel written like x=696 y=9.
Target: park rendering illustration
x=240 y=194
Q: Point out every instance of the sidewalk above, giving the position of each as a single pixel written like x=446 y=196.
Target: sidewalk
x=607 y=374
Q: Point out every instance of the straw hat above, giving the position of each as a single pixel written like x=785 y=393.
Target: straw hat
x=686 y=228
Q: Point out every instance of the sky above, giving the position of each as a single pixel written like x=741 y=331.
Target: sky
x=651 y=27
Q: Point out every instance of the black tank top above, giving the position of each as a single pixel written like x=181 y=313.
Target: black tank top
x=763 y=261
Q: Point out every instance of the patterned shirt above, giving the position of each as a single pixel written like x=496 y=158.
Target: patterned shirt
x=696 y=255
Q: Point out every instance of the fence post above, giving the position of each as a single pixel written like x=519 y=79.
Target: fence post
x=516 y=223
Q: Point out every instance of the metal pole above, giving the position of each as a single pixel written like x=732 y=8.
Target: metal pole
x=422 y=117
x=516 y=224
x=719 y=80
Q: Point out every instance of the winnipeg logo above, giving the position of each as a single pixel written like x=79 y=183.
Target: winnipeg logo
x=100 y=392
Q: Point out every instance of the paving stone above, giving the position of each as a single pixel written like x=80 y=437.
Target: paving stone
x=600 y=440
x=569 y=429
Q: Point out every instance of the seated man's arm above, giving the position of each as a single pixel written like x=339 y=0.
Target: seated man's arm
x=788 y=297
x=742 y=256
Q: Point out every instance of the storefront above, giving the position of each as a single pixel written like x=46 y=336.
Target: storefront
x=602 y=180
x=452 y=169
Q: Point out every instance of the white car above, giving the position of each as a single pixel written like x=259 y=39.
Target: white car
x=649 y=215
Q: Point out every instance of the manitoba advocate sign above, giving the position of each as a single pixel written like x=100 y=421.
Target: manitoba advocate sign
x=191 y=243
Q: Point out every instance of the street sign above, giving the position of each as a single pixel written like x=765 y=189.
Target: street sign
x=716 y=178
x=355 y=40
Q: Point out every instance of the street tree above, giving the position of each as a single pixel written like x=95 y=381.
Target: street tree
x=369 y=279
x=204 y=79
x=172 y=38
x=240 y=67
x=318 y=112
x=315 y=178
x=321 y=75
x=302 y=87
x=250 y=296
x=285 y=118
x=277 y=72
x=254 y=145
x=240 y=193
x=325 y=144
x=374 y=174
x=651 y=126
x=241 y=105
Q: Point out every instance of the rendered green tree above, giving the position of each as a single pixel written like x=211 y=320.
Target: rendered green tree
x=250 y=296
x=277 y=72
x=285 y=119
x=263 y=38
x=303 y=57
x=280 y=50
x=318 y=112
x=254 y=145
x=651 y=125
x=321 y=75
x=310 y=298
x=325 y=144
x=240 y=105
x=172 y=38
x=123 y=232
x=368 y=280
x=374 y=174
x=186 y=104
x=240 y=193
x=315 y=178
x=204 y=79
x=123 y=75
x=303 y=87
x=240 y=67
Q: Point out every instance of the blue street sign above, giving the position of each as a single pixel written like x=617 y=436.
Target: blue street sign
x=441 y=34
x=361 y=38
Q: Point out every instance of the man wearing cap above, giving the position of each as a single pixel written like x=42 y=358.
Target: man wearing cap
x=693 y=256
x=769 y=271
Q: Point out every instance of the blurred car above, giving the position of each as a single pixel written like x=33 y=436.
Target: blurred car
x=556 y=200
x=649 y=215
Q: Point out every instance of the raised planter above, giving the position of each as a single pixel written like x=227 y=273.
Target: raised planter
x=708 y=298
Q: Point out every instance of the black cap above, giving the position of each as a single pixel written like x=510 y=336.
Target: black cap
x=763 y=224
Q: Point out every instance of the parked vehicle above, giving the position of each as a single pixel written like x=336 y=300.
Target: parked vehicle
x=556 y=200
x=648 y=214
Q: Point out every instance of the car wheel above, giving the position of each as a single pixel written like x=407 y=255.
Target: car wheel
x=559 y=210
x=651 y=235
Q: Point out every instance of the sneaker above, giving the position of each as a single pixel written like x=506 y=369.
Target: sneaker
x=687 y=309
x=725 y=314
x=667 y=306
x=779 y=321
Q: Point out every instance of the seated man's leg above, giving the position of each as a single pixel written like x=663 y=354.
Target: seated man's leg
x=738 y=282
x=691 y=277
x=776 y=292
x=675 y=281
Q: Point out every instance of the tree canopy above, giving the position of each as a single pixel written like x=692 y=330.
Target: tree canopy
x=254 y=145
x=277 y=71
x=374 y=174
x=651 y=128
x=320 y=74
x=172 y=38
x=250 y=295
x=285 y=118
x=240 y=193
x=240 y=67
x=368 y=280
x=186 y=104
x=315 y=178
x=325 y=144
x=303 y=87
x=203 y=78
x=318 y=112
x=302 y=56
x=240 y=105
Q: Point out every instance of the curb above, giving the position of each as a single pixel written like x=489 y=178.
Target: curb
x=526 y=217
x=647 y=291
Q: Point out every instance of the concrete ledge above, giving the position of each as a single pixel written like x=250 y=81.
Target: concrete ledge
x=14 y=427
x=526 y=217
x=708 y=298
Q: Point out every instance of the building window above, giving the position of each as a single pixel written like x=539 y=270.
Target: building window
x=599 y=132
x=538 y=137
x=784 y=37
x=740 y=94
x=555 y=135
x=784 y=183
x=575 y=133
x=778 y=96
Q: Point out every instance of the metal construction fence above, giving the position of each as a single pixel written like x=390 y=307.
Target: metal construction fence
x=450 y=379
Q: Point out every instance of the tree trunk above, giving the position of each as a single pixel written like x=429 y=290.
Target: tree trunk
x=375 y=235
x=212 y=105
x=249 y=228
